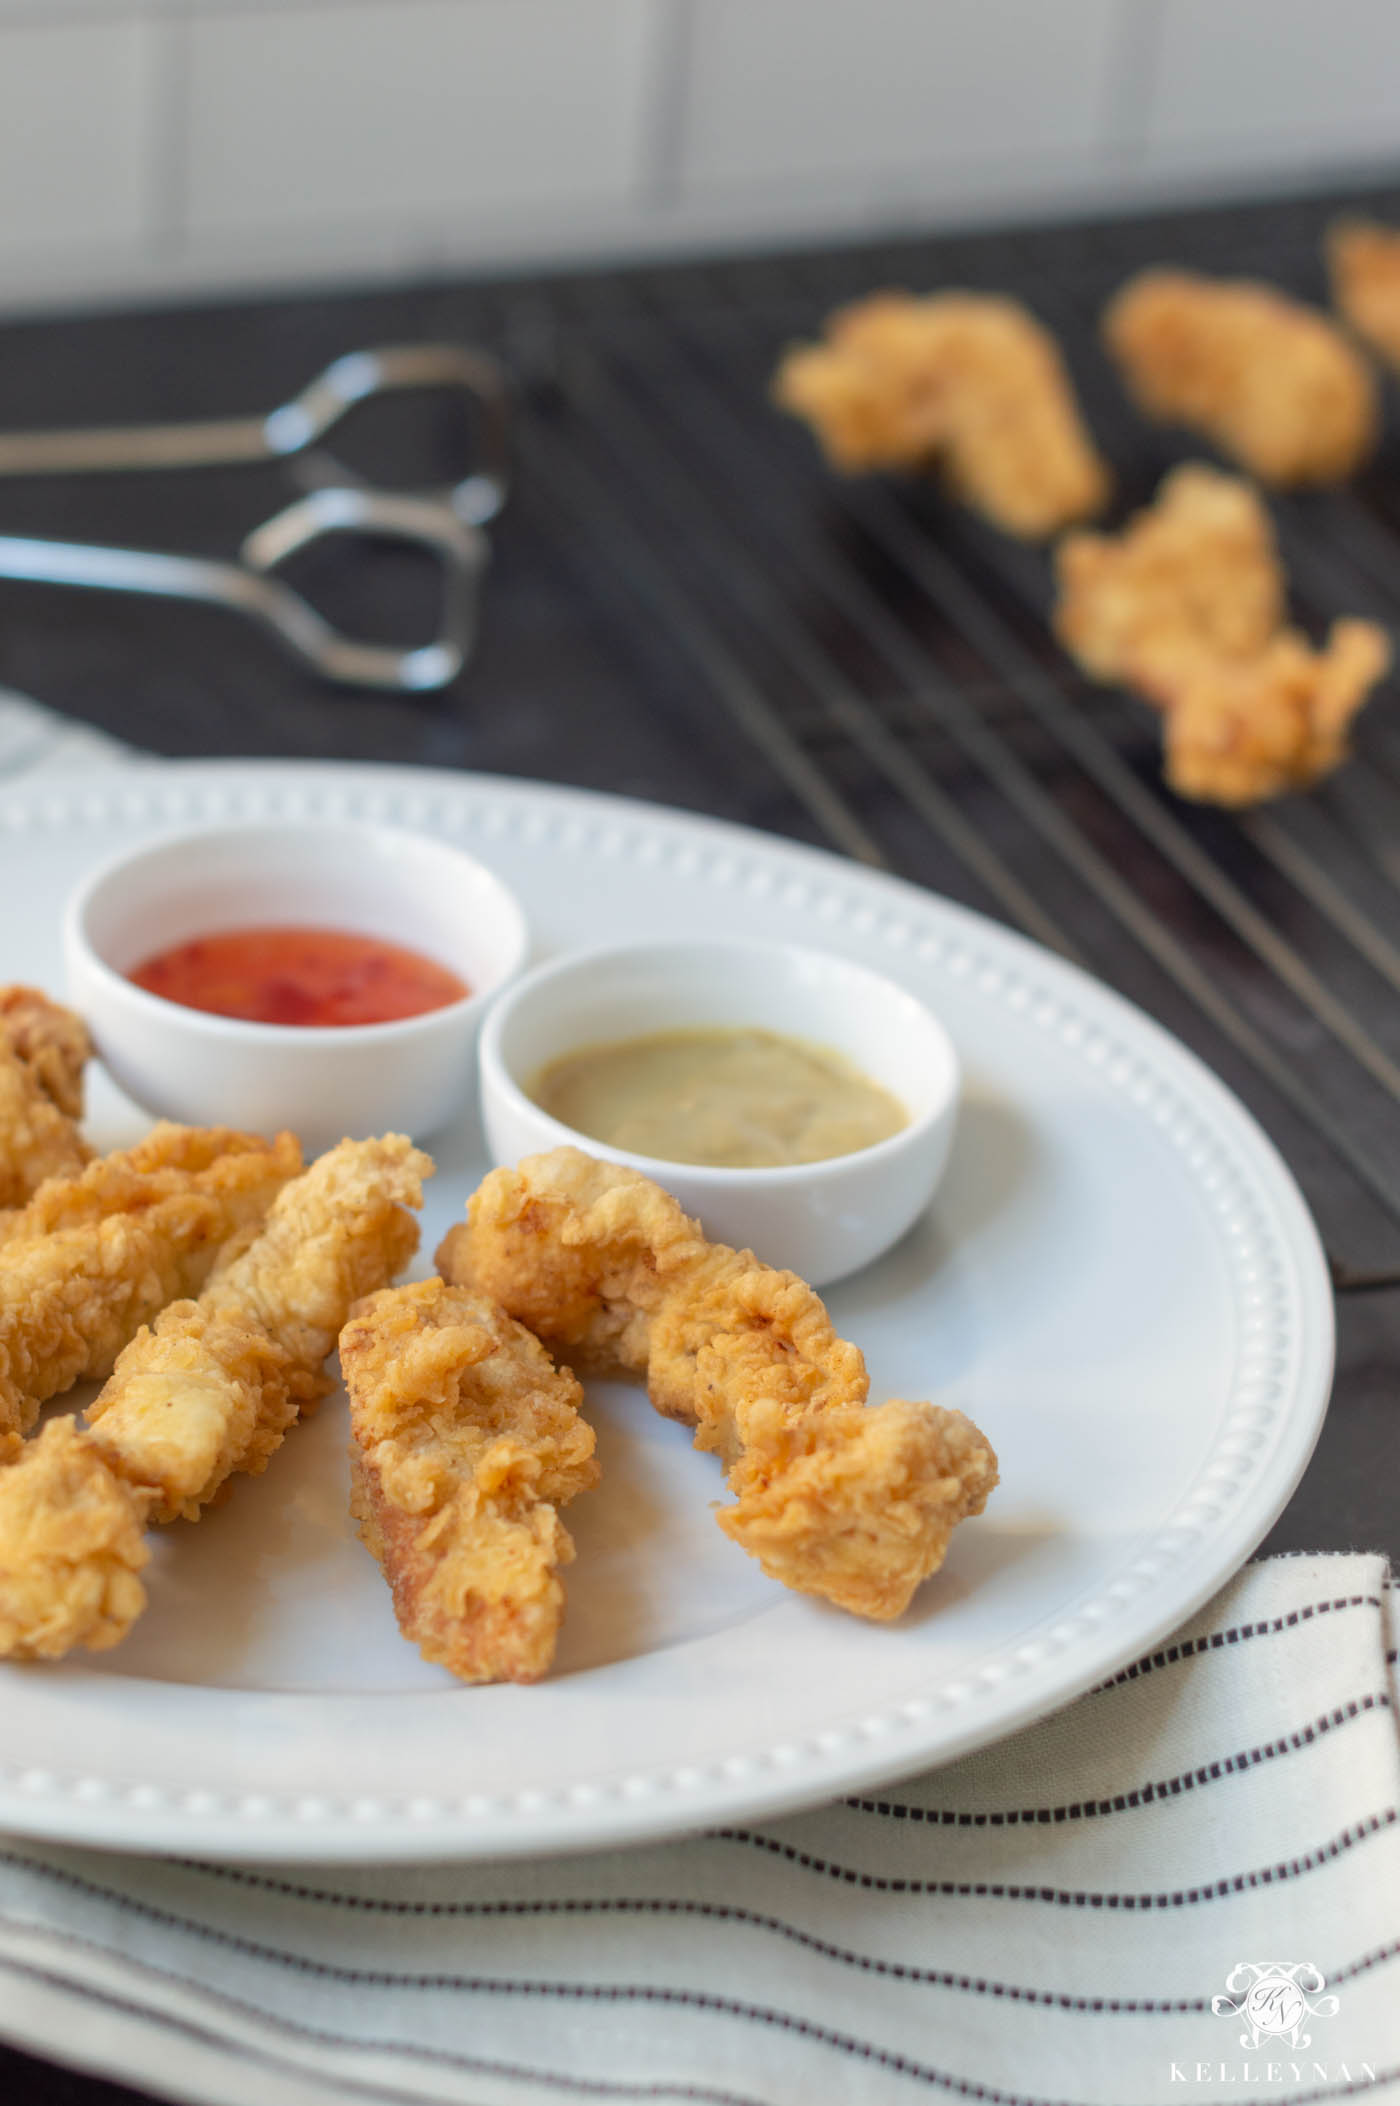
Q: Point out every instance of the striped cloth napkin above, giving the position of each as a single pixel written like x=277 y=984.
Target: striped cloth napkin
x=1184 y=1887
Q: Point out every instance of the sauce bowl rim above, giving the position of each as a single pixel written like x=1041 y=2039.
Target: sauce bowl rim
x=498 y=1075
x=116 y=985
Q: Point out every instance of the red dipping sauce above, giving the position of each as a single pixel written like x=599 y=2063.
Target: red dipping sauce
x=314 y=977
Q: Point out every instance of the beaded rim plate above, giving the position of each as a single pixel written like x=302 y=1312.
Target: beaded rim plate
x=1119 y=1281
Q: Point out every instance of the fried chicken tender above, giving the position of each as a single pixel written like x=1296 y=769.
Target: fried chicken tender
x=43 y=1050
x=1363 y=262
x=467 y=1440
x=208 y=1390
x=52 y=1042
x=124 y=1241
x=832 y=1498
x=72 y=1542
x=130 y=1180
x=1269 y=381
x=966 y=381
x=338 y=1233
x=1187 y=607
x=199 y=1395
x=1238 y=731
x=1199 y=563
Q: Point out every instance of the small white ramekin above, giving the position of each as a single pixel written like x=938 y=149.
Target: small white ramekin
x=822 y=1220
x=411 y=1076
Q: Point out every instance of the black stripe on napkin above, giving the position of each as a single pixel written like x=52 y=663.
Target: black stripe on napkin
x=1141 y=1795
x=822 y=2036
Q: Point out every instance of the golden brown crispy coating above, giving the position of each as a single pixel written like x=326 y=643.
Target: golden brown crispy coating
x=1186 y=606
x=467 y=1440
x=43 y=1049
x=37 y=1140
x=832 y=1498
x=1237 y=731
x=194 y=1398
x=52 y=1042
x=209 y=1389
x=336 y=1234
x=965 y=381
x=1199 y=563
x=73 y=1295
x=1363 y=261
x=1270 y=382
x=164 y=1163
x=72 y=1541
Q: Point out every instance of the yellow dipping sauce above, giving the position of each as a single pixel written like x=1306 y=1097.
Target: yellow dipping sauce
x=736 y=1099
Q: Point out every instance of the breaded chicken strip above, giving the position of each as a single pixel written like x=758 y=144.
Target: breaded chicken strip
x=209 y=1390
x=72 y=1542
x=43 y=1050
x=198 y=1396
x=1199 y=564
x=1270 y=382
x=467 y=1440
x=1363 y=261
x=71 y=1296
x=338 y=1233
x=1186 y=606
x=129 y=1180
x=52 y=1042
x=966 y=382
x=1237 y=731
x=832 y=1498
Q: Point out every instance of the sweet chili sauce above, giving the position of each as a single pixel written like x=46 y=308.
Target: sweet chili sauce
x=309 y=976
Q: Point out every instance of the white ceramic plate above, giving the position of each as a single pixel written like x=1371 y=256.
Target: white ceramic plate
x=1119 y=1282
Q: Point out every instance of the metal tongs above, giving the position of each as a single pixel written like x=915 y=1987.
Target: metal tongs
x=445 y=521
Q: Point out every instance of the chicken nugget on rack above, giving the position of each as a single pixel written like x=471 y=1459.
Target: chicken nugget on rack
x=833 y=1498
x=208 y=1390
x=1187 y=607
x=93 y=1257
x=1200 y=563
x=467 y=1439
x=1240 y=730
x=43 y=1050
x=966 y=382
x=1271 y=382
x=1363 y=262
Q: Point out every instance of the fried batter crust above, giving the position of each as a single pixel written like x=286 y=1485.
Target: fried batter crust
x=72 y=1542
x=1199 y=564
x=966 y=381
x=1240 y=731
x=209 y=1389
x=125 y=1241
x=1186 y=606
x=832 y=1498
x=467 y=1439
x=1269 y=381
x=43 y=1050
x=1363 y=260
x=336 y=1234
x=194 y=1398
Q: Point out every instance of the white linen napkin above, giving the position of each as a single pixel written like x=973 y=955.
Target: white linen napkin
x=1185 y=1887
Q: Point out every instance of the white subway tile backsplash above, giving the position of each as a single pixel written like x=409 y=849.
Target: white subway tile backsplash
x=444 y=109
x=788 y=88
x=153 y=146
x=1255 y=80
x=76 y=120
